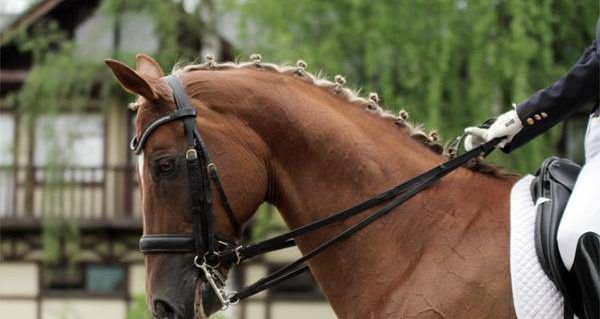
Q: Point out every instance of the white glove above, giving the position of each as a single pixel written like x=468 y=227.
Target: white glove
x=506 y=125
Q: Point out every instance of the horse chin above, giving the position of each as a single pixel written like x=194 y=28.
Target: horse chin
x=205 y=301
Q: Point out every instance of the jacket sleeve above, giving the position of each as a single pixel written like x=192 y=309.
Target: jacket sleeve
x=561 y=99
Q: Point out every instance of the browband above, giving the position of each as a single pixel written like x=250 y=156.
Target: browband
x=136 y=144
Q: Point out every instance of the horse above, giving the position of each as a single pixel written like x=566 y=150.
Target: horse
x=309 y=147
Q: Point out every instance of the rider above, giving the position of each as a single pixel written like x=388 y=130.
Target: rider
x=579 y=230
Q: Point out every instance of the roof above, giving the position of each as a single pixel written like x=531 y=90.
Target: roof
x=31 y=15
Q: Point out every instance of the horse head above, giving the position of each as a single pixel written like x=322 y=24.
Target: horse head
x=173 y=288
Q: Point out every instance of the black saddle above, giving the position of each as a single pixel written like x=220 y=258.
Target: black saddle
x=551 y=190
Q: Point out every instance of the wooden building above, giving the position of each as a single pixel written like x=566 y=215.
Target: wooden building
x=81 y=203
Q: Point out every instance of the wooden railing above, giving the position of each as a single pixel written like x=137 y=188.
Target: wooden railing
x=82 y=193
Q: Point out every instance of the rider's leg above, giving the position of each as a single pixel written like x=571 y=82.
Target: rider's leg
x=582 y=213
x=579 y=230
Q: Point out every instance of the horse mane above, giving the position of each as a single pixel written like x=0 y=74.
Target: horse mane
x=370 y=104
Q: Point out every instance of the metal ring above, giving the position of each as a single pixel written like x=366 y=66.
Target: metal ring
x=211 y=166
x=133 y=145
x=196 y=262
x=230 y=298
x=204 y=263
x=191 y=154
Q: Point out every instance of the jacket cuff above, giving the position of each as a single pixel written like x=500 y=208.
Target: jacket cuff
x=529 y=118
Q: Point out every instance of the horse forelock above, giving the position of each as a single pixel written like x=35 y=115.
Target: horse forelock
x=337 y=87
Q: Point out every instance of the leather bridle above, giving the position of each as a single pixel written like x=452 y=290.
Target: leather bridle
x=213 y=251
x=203 y=241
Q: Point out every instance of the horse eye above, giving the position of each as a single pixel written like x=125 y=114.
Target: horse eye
x=166 y=165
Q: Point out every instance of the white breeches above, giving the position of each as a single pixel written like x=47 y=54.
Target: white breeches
x=582 y=213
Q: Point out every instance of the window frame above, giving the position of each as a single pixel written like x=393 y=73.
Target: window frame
x=83 y=267
x=11 y=206
x=15 y=117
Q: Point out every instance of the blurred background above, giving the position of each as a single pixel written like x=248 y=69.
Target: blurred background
x=69 y=214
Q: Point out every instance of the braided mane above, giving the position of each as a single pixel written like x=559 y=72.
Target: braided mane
x=370 y=104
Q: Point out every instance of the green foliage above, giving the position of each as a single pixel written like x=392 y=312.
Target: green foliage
x=51 y=240
x=53 y=233
x=265 y=221
x=62 y=80
x=179 y=32
x=57 y=81
x=451 y=63
x=138 y=308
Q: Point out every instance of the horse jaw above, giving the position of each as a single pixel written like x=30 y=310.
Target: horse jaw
x=206 y=302
x=198 y=306
x=199 y=311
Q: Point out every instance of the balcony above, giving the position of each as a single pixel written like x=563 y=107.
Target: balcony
x=93 y=197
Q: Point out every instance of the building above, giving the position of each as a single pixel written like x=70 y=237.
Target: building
x=69 y=214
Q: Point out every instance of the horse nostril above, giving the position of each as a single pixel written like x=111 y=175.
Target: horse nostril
x=163 y=310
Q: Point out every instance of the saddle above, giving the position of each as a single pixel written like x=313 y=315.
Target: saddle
x=551 y=190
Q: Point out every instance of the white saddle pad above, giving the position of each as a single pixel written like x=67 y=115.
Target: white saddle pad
x=534 y=295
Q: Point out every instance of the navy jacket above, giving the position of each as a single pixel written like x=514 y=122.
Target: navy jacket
x=563 y=98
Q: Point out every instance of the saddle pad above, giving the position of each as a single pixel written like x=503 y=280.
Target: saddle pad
x=534 y=294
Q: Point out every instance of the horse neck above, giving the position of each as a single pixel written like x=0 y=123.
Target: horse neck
x=325 y=155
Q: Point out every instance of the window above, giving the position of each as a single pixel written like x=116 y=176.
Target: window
x=95 y=36
x=7 y=139
x=63 y=277
x=97 y=279
x=70 y=142
x=104 y=278
x=7 y=159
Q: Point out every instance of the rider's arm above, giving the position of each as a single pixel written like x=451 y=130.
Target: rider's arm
x=560 y=100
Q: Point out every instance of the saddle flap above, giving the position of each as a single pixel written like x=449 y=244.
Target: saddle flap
x=564 y=171
x=551 y=190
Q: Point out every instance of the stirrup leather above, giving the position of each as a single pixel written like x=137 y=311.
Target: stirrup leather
x=551 y=190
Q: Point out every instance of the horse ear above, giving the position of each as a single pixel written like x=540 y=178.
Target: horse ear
x=130 y=80
x=147 y=66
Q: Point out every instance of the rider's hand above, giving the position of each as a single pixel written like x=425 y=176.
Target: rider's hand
x=506 y=125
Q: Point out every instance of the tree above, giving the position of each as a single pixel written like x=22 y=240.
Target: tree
x=452 y=63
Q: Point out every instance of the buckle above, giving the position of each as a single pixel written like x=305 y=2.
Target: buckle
x=211 y=166
x=133 y=145
x=217 y=283
x=236 y=251
x=191 y=153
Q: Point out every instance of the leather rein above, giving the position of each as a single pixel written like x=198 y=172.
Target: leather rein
x=213 y=251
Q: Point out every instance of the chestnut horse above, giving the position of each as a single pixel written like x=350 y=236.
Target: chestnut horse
x=311 y=147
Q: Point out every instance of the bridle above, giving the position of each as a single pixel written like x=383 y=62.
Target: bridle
x=203 y=241
x=213 y=251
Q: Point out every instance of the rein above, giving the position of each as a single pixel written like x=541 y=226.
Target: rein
x=212 y=251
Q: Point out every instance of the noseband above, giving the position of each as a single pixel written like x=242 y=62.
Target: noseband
x=203 y=241
x=212 y=251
